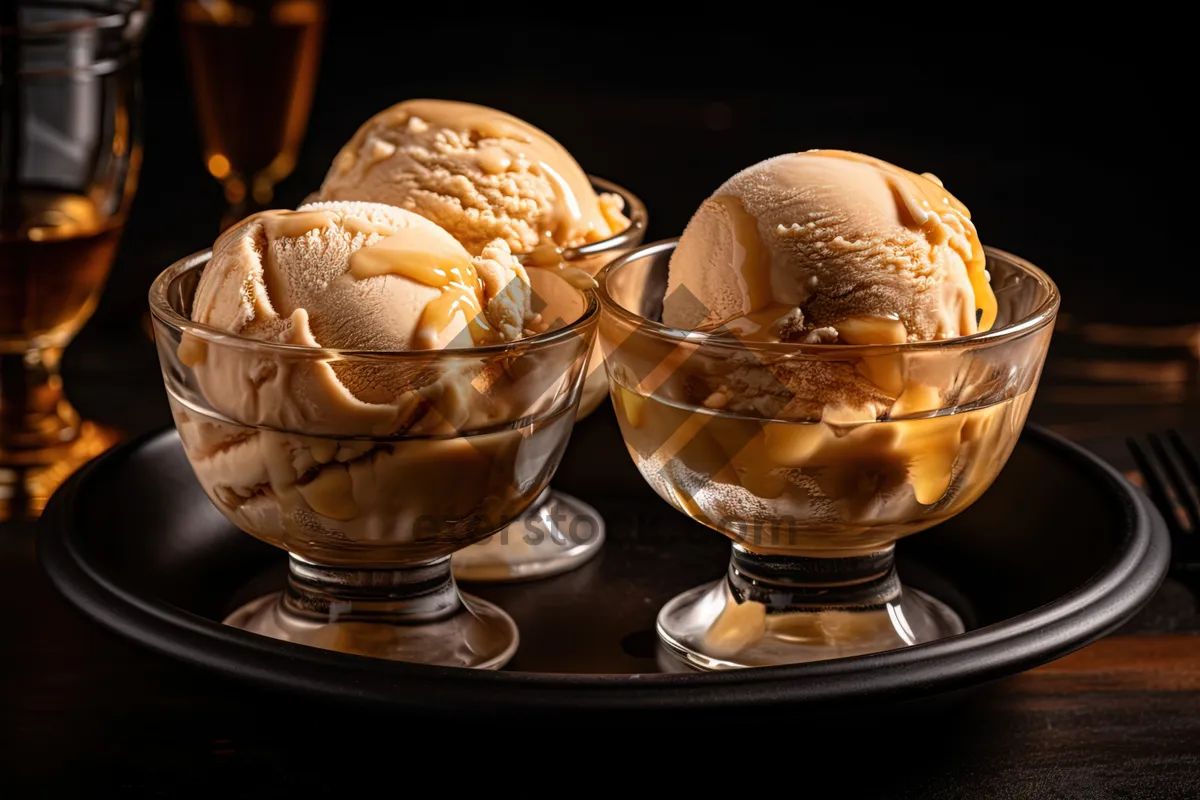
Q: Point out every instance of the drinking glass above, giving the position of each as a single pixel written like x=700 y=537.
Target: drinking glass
x=559 y=532
x=254 y=66
x=370 y=499
x=69 y=158
x=756 y=441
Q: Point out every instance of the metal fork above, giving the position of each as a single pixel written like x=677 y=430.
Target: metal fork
x=1171 y=473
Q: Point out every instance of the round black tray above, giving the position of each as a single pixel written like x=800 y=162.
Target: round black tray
x=1059 y=552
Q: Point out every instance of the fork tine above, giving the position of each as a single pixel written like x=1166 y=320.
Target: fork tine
x=1187 y=475
x=1186 y=455
x=1178 y=481
x=1156 y=487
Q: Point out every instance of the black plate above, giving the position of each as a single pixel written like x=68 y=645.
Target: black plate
x=1059 y=552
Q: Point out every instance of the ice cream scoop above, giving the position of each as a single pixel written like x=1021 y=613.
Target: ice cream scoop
x=479 y=173
x=377 y=310
x=831 y=246
x=350 y=276
x=361 y=276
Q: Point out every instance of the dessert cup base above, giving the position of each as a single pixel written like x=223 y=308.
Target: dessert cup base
x=29 y=476
x=480 y=635
x=413 y=614
x=557 y=534
x=746 y=620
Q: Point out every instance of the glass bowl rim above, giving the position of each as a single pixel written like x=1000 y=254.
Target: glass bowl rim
x=161 y=310
x=635 y=209
x=1037 y=319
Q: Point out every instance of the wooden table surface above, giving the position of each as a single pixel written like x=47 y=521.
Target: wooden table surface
x=80 y=707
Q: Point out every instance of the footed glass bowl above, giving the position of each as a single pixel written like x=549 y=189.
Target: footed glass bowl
x=370 y=499
x=760 y=442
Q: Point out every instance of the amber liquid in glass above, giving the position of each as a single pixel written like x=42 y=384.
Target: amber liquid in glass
x=54 y=261
x=56 y=250
x=253 y=67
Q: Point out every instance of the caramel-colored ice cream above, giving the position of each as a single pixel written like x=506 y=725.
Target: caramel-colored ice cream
x=822 y=395
x=851 y=446
x=830 y=246
x=345 y=500
x=356 y=276
x=362 y=276
x=479 y=173
x=826 y=247
x=408 y=445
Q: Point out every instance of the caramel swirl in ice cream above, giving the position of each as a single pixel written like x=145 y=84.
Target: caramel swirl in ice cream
x=841 y=483
x=751 y=261
x=350 y=276
x=435 y=260
x=944 y=220
x=290 y=224
x=360 y=276
x=548 y=255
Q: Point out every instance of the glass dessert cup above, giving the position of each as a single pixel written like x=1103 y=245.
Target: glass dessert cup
x=559 y=532
x=253 y=66
x=370 y=493
x=814 y=460
x=71 y=137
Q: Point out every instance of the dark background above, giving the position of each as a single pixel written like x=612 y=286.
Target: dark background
x=1061 y=154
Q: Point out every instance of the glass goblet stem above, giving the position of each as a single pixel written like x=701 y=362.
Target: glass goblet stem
x=799 y=583
x=33 y=413
x=42 y=440
x=418 y=593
